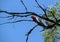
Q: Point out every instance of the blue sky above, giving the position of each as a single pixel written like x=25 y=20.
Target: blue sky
x=16 y=32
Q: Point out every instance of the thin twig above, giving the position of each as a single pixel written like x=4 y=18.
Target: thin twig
x=30 y=32
x=16 y=21
x=23 y=15
x=44 y=10
x=32 y=13
x=6 y=17
x=24 y=5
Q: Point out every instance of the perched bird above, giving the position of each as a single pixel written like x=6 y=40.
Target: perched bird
x=39 y=22
x=48 y=25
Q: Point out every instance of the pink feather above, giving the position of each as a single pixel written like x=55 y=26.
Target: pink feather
x=34 y=18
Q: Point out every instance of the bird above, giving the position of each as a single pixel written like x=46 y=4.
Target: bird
x=48 y=25
x=39 y=22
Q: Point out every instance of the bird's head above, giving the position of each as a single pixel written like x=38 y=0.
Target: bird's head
x=34 y=18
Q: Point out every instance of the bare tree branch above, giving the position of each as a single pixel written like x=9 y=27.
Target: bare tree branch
x=6 y=17
x=30 y=32
x=44 y=10
x=32 y=13
x=10 y=17
x=16 y=21
x=24 y=5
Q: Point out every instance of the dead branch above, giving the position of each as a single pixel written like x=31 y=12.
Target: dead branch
x=32 y=13
x=30 y=32
x=16 y=21
x=44 y=10
x=24 y=5
x=6 y=17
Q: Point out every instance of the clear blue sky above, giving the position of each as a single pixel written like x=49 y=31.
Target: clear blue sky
x=16 y=32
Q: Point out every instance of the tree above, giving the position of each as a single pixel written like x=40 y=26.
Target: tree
x=50 y=18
